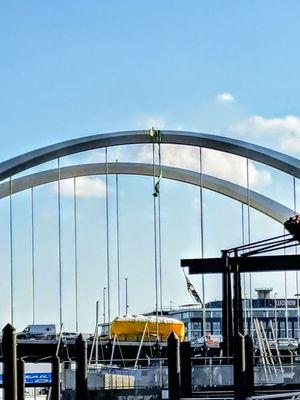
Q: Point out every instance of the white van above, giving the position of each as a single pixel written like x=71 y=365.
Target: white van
x=38 y=332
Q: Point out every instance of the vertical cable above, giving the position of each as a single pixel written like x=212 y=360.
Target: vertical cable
x=249 y=241
x=32 y=255
x=244 y=275
x=296 y=251
x=118 y=243
x=286 y=306
x=11 y=254
x=155 y=242
x=285 y=296
x=202 y=242
x=159 y=243
x=75 y=252
x=59 y=243
x=107 y=237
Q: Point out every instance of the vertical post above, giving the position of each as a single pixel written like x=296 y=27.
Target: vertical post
x=227 y=327
x=249 y=369
x=173 y=366
x=186 y=366
x=9 y=349
x=239 y=367
x=81 y=369
x=276 y=322
x=237 y=303
x=21 y=379
x=230 y=311
x=55 y=390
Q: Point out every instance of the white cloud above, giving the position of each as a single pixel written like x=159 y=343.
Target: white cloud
x=225 y=98
x=222 y=165
x=86 y=187
x=291 y=144
x=285 y=131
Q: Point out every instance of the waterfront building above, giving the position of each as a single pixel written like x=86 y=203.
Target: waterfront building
x=284 y=314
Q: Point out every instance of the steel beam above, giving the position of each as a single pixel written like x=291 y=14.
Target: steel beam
x=246 y=264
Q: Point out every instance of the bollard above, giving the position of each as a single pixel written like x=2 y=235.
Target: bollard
x=173 y=366
x=9 y=349
x=55 y=377
x=21 y=379
x=81 y=368
x=186 y=368
x=249 y=370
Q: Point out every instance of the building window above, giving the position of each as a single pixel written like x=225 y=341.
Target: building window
x=216 y=328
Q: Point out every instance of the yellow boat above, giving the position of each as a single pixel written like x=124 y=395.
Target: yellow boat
x=137 y=327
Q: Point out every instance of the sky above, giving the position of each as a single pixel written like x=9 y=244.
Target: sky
x=70 y=69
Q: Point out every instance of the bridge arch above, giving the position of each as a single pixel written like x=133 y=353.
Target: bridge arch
x=251 y=151
x=267 y=206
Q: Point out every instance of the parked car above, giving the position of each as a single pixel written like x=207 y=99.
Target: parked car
x=45 y=331
x=69 y=336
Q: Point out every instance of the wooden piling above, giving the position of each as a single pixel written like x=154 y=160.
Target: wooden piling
x=173 y=352
x=81 y=368
x=186 y=368
x=9 y=349
x=21 y=379
x=55 y=389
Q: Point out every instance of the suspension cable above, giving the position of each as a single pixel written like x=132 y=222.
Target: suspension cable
x=32 y=254
x=107 y=237
x=160 y=239
x=75 y=252
x=202 y=241
x=285 y=295
x=59 y=242
x=249 y=241
x=155 y=241
x=11 y=253
x=296 y=251
x=244 y=275
x=118 y=243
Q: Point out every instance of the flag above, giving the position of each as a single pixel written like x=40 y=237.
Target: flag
x=157 y=184
x=193 y=292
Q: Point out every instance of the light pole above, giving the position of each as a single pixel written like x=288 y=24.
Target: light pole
x=275 y=314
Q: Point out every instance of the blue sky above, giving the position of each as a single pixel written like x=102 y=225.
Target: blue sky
x=70 y=69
